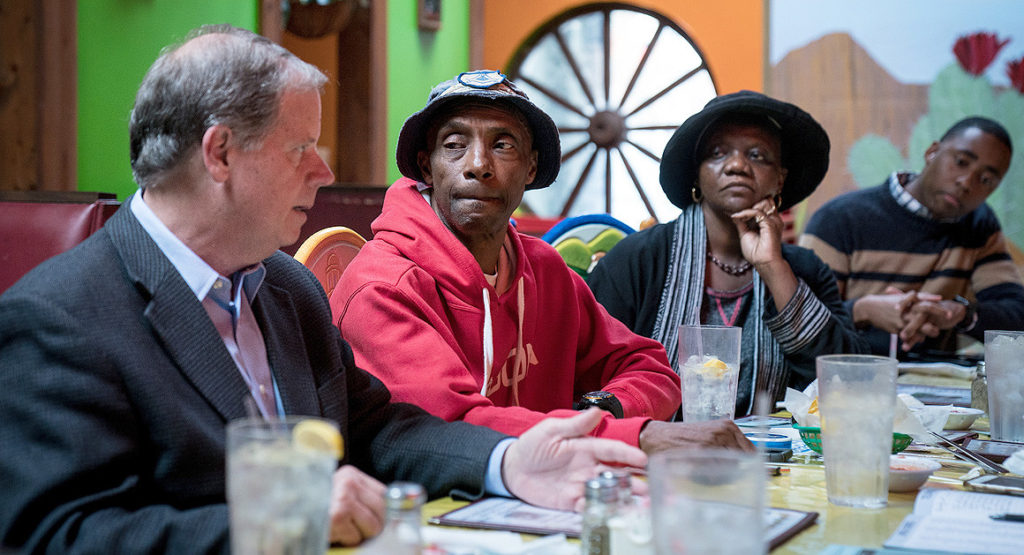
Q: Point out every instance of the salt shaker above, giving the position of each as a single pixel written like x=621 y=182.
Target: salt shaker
x=401 y=534
x=601 y=504
x=629 y=529
x=979 y=389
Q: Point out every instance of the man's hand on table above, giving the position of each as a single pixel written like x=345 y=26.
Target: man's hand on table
x=548 y=465
x=357 y=506
x=659 y=436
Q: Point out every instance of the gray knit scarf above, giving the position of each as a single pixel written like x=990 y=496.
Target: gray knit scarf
x=681 y=303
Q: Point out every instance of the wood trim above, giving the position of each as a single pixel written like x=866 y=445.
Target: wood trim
x=18 y=83
x=271 y=20
x=57 y=133
x=477 y=35
x=38 y=96
x=355 y=123
x=362 y=130
x=378 y=120
x=766 y=58
x=78 y=197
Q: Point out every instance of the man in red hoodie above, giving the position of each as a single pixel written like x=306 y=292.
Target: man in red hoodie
x=457 y=312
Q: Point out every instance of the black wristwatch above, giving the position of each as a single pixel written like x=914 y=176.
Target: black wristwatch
x=602 y=400
x=970 y=315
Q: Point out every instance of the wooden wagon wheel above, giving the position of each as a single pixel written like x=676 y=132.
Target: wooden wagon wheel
x=617 y=80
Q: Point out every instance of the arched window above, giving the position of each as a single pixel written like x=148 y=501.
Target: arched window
x=617 y=80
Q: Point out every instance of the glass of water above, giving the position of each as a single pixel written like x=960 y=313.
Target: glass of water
x=279 y=485
x=1004 y=370
x=708 y=501
x=857 y=401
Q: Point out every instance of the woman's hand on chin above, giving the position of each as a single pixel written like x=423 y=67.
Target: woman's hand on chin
x=760 y=230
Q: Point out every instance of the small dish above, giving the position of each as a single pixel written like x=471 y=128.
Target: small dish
x=908 y=473
x=961 y=418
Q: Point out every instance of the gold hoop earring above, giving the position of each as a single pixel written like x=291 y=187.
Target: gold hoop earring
x=777 y=199
x=696 y=195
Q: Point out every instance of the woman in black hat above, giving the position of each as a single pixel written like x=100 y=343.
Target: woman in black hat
x=732 y=167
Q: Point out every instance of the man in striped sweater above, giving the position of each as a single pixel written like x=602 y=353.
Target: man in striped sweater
x=922 y=255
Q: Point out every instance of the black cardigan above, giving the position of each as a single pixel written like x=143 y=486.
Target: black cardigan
x=629 y=281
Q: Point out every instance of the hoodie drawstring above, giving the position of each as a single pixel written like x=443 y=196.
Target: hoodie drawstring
x=520 y=367
x=488 y=342
x=521 y=363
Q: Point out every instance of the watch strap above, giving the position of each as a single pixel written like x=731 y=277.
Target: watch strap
x=970 y=318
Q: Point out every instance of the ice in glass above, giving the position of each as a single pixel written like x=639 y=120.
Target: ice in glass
x=1004 y=368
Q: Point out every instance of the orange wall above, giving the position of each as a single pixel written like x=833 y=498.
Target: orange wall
x=730 y=33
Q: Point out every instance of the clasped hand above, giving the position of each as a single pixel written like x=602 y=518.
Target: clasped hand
x=912 y=314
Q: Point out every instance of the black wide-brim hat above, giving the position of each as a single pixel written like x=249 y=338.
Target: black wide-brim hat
x=483 y=85
x=805 y=146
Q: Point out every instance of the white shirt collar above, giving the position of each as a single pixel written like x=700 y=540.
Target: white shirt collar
x=199 y=276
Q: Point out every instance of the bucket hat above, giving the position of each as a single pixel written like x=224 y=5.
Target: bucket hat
x=486 y=85
x=805 y=146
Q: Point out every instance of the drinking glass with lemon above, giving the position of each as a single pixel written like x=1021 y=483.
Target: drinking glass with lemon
x=710 y=371
x=279 y=483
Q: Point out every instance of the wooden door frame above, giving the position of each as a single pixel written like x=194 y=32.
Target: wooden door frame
x=39 y=95
x=362 y=92
x=58 y=100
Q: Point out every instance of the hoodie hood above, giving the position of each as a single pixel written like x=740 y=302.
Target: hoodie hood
x=408 y=223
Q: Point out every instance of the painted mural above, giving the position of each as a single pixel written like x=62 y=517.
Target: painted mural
x=885 y=84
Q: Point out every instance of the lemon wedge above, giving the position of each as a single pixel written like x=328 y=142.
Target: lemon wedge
x=813 y=409
x=715 y=363
x=714 y=368
x=318 y=435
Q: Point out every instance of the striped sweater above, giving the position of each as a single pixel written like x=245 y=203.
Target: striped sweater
x=871 y=242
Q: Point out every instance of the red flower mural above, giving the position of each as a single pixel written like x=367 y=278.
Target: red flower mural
x=1015 y=71
x=976 y=52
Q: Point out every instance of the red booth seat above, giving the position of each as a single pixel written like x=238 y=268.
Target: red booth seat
x=31 y=232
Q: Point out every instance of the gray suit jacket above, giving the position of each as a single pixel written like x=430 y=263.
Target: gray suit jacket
x=115 y=389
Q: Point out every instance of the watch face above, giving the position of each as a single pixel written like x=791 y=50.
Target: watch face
x=602 y=400
x=598 y=396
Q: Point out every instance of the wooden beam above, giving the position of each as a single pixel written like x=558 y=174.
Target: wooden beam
x=380 y=156
x=18 y=117
x=476 y=35
x=271 y=20
x=58 y=96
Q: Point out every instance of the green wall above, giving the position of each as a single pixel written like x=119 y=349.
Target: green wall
x=417 y=60
x=119 y=39
x=117 y=42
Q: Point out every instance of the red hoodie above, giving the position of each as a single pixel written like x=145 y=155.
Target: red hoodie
x=419 y=314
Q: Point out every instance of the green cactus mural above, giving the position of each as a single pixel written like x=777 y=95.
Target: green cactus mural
x=958 y=91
